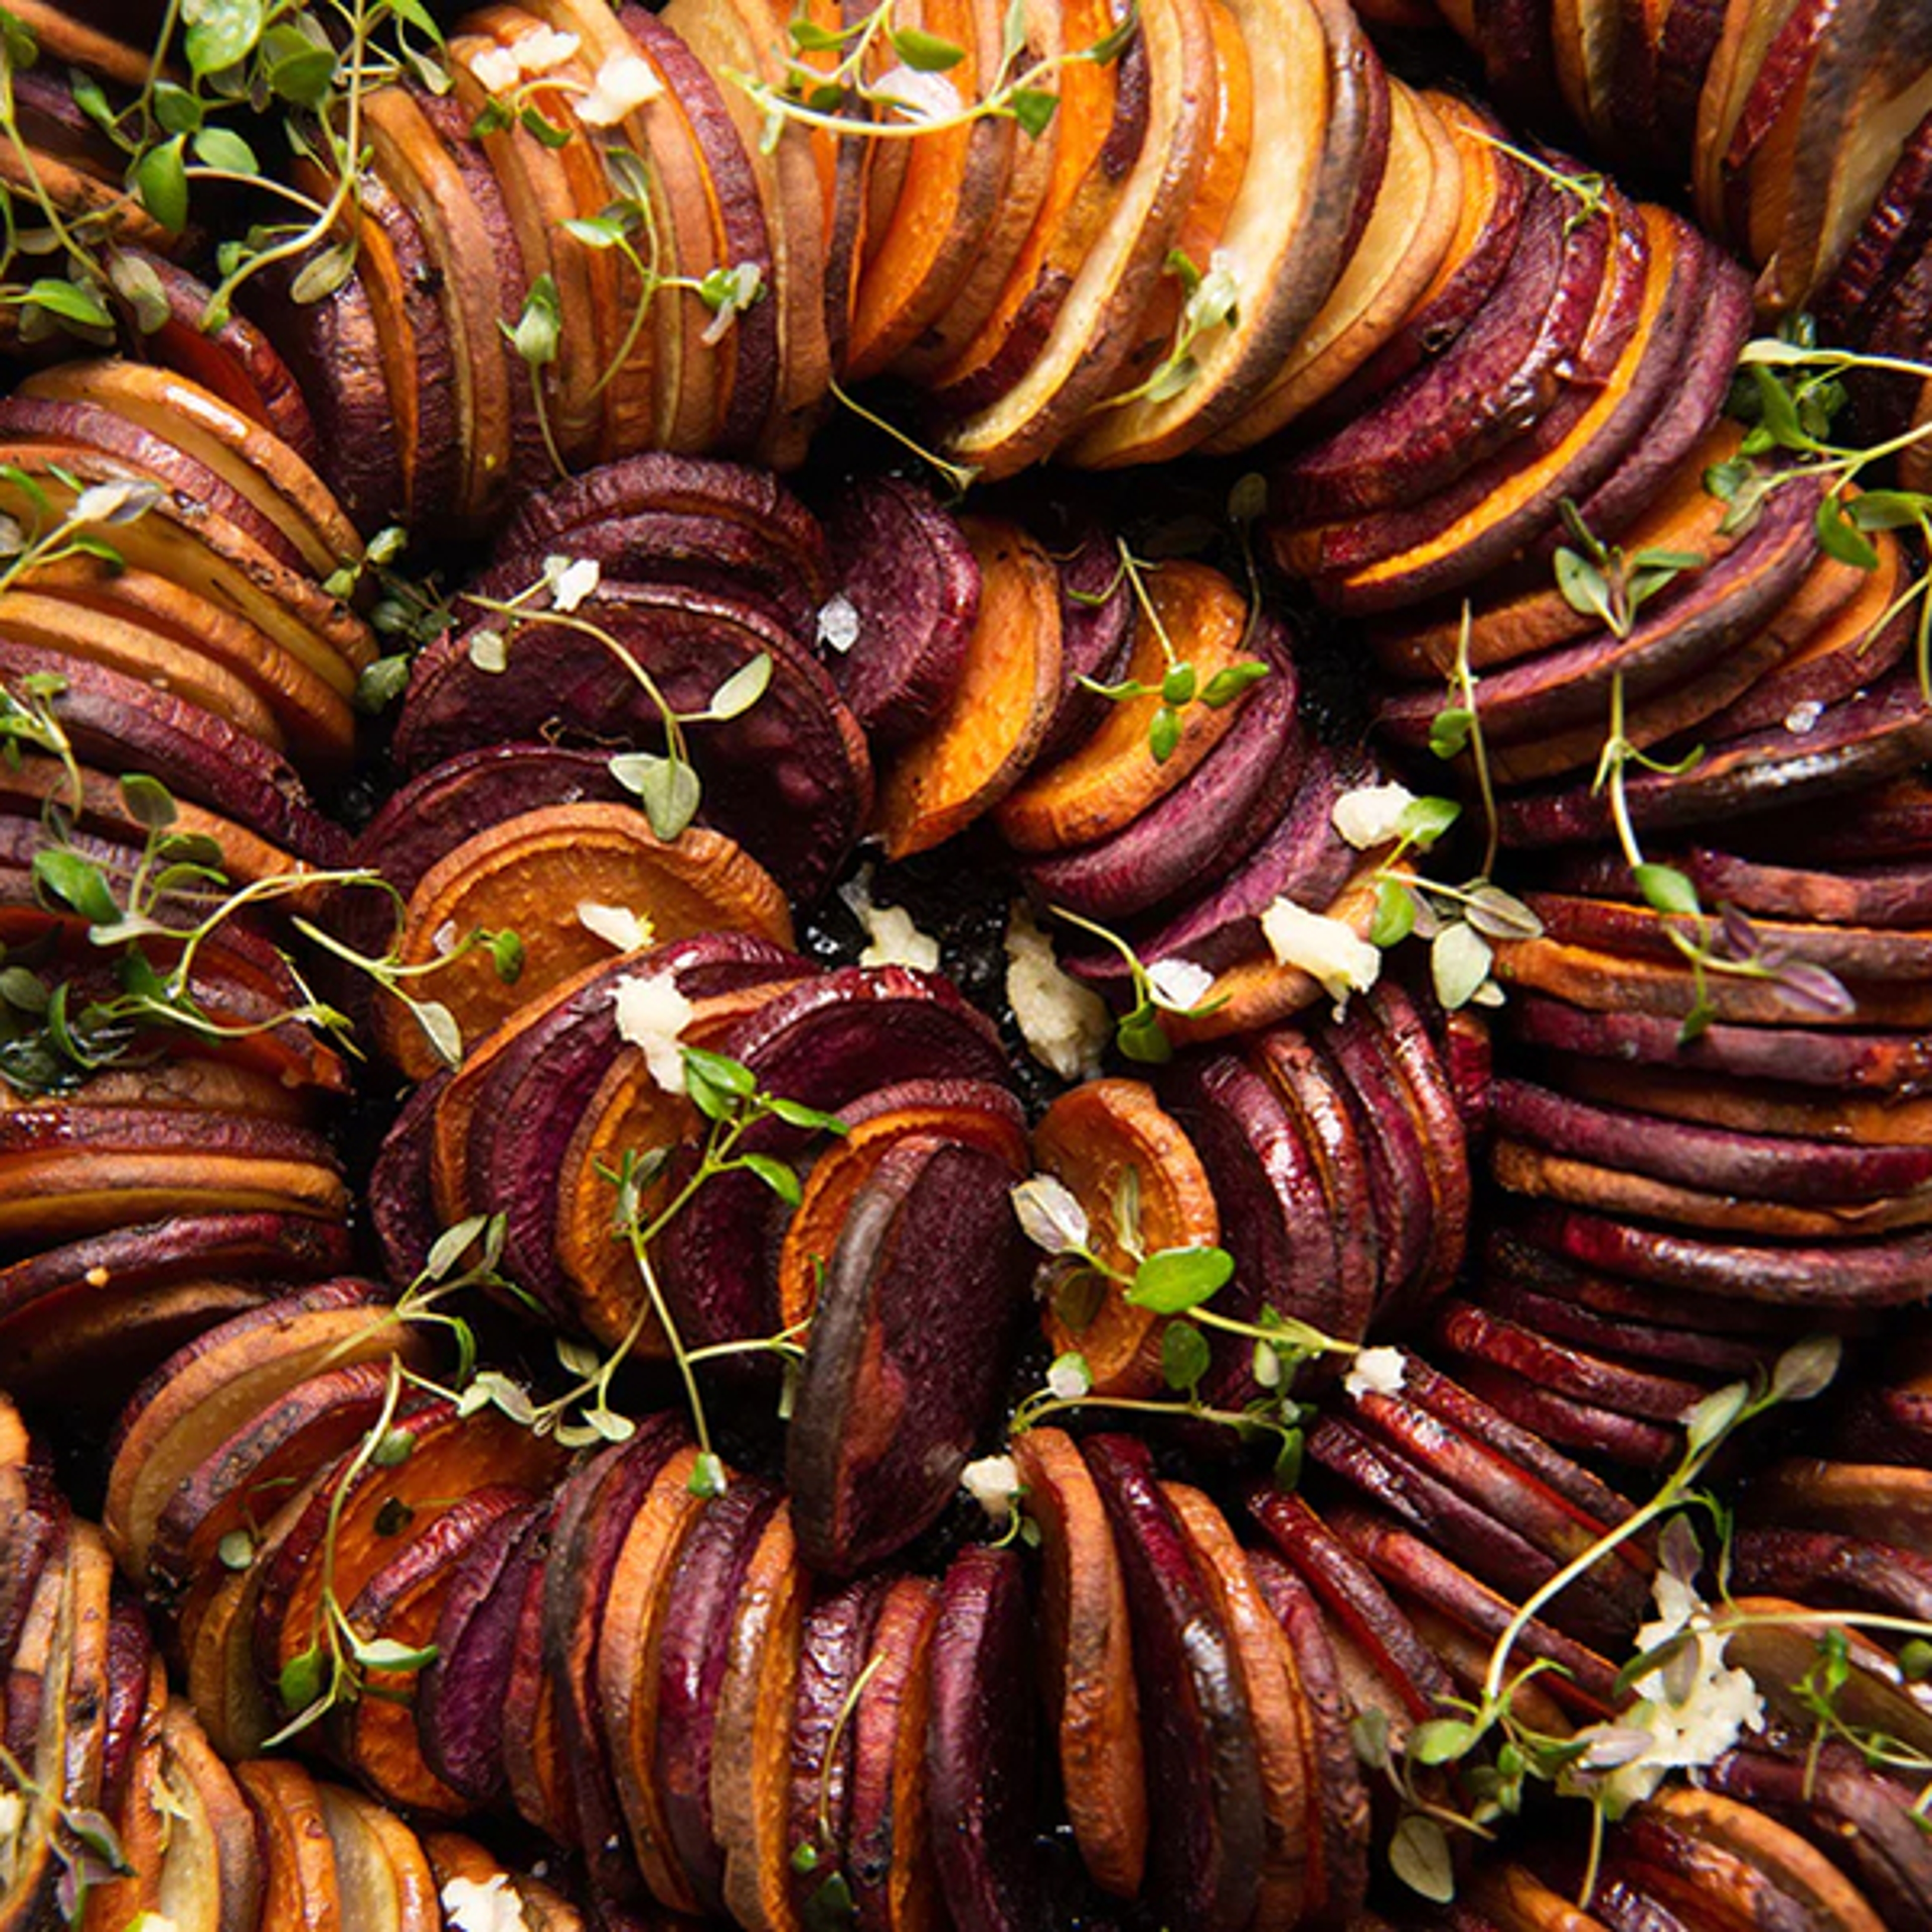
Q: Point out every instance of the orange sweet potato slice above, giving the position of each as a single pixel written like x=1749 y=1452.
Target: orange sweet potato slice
x=1094 y=1139
x=627 y=1670
x=1273 y=1686
x=1089 y=1662
x=1115 y=776
x=529 y=875
x=301 y=1893
x=629 y=1112
x=1002 y=702
x=751 y=1743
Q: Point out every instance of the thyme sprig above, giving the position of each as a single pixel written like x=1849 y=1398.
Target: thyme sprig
x=1725 y=945
x=913 y=97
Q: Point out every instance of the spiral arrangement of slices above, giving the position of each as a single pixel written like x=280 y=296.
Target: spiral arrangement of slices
x=778 y=1703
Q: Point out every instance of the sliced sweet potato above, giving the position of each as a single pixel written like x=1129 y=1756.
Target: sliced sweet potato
x=751 y=1735
x=974 y=1112
x=1089 y=1667
x=530 y=875
x=890 y=1864
x=977 y=748
x=192 y=1402
x=1104 y=1137
x=213 y=1877
x=299 y=1890
x=919 y=1309
x=1194 y=616
x=628 y=1694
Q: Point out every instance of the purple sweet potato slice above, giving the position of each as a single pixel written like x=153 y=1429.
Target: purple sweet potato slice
x=1395 y=1160
x=1495 y=380
x=695 y=550
x=1852 y=1813
x=1414 y=1056
x=791 y=778
x=1354 y=1598
x=1848 y=1274
x=1760 y=1166
x=1329 y=1131
x=832 y=1649
x=120 y=723
x=1209 y=1831
x=915 y=1320
x=1881 y=733
x=1490 y=1549
x=597 y=1502
x=1303 y=858
x=1209 y=823
x=824 y=1042
x=905 y=568
x=1816 y=1565
x=401 y=1207
x=428 y=818
x=1096 y=640
x=1420 y=1574
x=1875 y=1062
x=692 y=1653
x=1897 y=894
x=1338 y=1871
x=1274 y=1213
x=659 y=484
x=333 y=349
x=1685 y=1350
x=983 y=1749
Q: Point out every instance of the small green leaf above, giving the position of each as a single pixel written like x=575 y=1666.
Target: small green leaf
x=396 y=1447
x=729 y=1076
x=742 y=688
x=451 y=1246
x=545 y=132
x=1424 y=821
x=810 y=38
x=1395 y=914
x=1889 y=509
x=1585 y=588
x=1460 y=958
x=1034 y=109
x=1286 y=1474
x=303 y=79
x=1419 y=1855
x=1666 y=889
x=236 y=1550
x=778 y=1175
x=1441 y=1740
x=796 y=1113
x=539 y=328
x=1184 y=1357
x=506 y=954
x=439 y=1028
x=1914 y=1660
x=708 y=1478
x=224 y=33
x=149 y=803
x=1141 y=1037
x=1708 y=1421
x=1230 y=681
x=1497 y=914
x=1449 y=730
x=322 y=274
x=386 y=1653
x=222 y=148
x=1176 y=1279
x=668 y=788
x=300 y=1682
x=1178 y=687
x=160 y=179
x=1164 y=734
x=924 y=52
x=76 y=883
x=1839 y=538
x=381 y=684
x=1807 y=1368
x=69 y=302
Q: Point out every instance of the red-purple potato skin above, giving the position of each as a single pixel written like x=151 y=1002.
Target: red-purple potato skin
x=1208 y=1842
x=983 y=1750
x=917 y=1316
